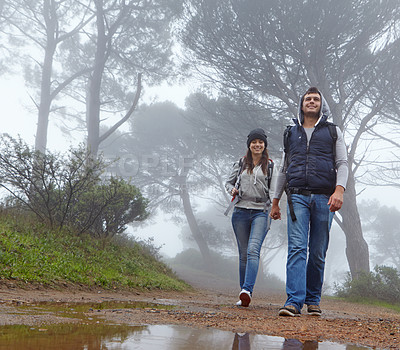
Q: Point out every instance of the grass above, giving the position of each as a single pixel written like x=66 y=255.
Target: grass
x=31 y=253
x=369 y=301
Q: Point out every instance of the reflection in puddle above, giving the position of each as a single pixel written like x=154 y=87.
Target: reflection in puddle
x=123 y=337
x=84 y=307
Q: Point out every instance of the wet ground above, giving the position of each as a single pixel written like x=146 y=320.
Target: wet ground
x=104 y=336
x=100 y=316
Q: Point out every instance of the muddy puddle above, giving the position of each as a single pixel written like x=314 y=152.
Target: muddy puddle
x=90 y=333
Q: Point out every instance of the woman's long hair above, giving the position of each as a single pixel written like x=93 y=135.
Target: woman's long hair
x=248 y=161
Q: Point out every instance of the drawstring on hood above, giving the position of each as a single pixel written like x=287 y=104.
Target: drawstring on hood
x=255 y=173
x=256 y=169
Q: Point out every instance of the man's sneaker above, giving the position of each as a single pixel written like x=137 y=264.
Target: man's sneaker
x=245 y=298
x=314 y=310
x=288 y=310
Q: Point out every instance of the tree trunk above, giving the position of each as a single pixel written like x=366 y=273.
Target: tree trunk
x=94 y=90
x=194 y=228
x=356 y=247
x=93 y=109
x=47 y=70
x=43 y=116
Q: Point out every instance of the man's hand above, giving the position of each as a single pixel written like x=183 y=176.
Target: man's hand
x=336 y=200
x=275 y=210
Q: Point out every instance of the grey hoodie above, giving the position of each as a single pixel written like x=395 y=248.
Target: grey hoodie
x=254 y=185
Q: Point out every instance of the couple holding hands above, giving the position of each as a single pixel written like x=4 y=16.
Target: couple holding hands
x=313 y=173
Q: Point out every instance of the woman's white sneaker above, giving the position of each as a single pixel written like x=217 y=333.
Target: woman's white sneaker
x=245 y=298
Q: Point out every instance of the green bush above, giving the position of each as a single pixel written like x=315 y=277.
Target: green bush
x=382 y=284
x=106 y=208
x=67 y=190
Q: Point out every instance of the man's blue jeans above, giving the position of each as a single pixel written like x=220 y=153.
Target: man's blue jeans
x=304 y=276
x=250 y=227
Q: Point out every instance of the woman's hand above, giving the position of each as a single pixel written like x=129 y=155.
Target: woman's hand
x=275 y=210
x=234 y=191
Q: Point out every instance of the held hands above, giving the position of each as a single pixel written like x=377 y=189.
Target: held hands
x=336 y=200
x=275 y=210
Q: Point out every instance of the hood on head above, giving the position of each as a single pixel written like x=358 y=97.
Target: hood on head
x=324 y=112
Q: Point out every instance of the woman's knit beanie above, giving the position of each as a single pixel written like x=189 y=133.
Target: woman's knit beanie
x=257 y=134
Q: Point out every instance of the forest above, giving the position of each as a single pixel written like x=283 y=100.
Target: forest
x=87 y=65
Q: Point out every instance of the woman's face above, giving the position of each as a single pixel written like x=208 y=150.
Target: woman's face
x=257 y=147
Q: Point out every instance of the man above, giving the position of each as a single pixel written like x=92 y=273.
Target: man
x=314 y=174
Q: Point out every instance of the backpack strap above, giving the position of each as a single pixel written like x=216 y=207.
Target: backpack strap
x=241 y=164
x=239 y=173
x=270 y=170
x=286 y=135
x=333 y=132
x=236 y=198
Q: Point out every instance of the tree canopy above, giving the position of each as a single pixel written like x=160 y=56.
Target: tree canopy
x=91 y=52
x=271 y=51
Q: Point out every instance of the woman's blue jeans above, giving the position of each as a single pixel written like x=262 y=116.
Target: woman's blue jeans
x=310 y=231
x=250 y=227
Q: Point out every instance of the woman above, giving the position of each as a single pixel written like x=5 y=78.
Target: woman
x=249 y=181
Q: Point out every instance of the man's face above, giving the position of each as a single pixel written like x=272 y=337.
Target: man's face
x=311 y=104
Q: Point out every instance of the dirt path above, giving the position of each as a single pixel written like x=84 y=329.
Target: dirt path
x=341 y=322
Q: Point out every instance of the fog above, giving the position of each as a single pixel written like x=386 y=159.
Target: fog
x=161 y=229
x=215 y=102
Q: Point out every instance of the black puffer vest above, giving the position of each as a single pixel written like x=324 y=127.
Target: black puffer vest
x=313 y=167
